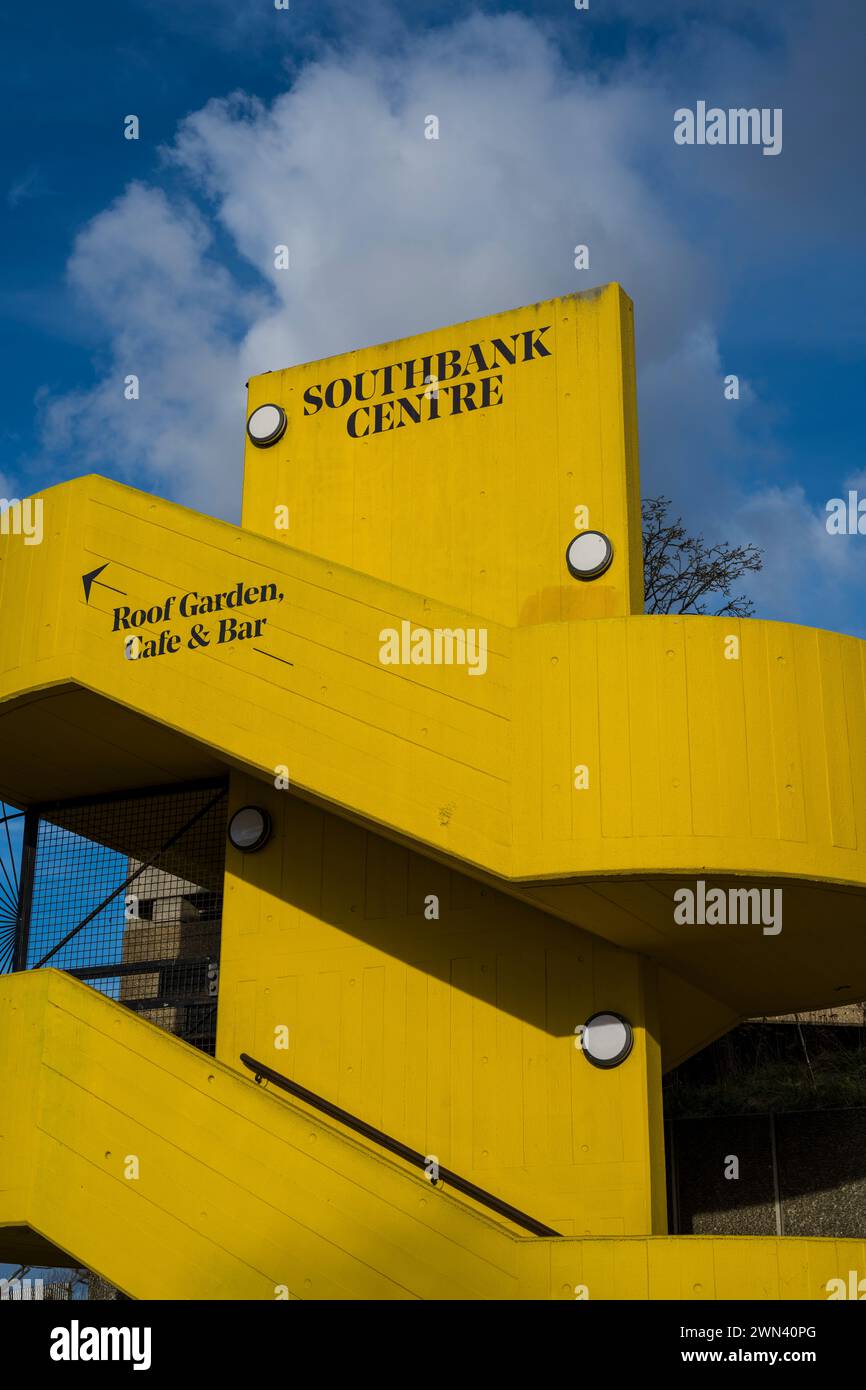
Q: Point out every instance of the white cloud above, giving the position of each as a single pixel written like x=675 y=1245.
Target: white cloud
x=390 y=233
x=807 y=571
x=143 y=273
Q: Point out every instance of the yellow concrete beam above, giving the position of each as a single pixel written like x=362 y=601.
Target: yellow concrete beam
x=756 y=765
x=696 y=764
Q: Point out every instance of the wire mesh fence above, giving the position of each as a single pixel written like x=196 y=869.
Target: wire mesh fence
x=11 y=832
x=126 y=894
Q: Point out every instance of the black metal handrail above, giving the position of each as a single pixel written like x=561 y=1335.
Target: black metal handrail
x=386 y=1141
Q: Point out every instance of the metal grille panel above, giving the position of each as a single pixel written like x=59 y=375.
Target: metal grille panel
x=126 y=893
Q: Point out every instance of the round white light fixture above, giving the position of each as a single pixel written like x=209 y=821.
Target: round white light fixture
x=589 y=555
x=249 y=829
x=606 y=1040
x=266 y=425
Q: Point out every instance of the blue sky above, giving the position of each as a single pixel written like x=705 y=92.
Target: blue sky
x=305 y=126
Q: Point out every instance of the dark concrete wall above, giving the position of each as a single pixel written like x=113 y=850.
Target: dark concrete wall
x=812 y=1180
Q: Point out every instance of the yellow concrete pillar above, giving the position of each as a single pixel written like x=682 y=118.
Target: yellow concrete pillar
x=444 y=1012
x=460 y=463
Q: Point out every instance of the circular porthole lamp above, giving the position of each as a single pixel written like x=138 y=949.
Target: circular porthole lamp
x=249 y=829
x=266 y=425
x=589 y=555
x=606 y=1040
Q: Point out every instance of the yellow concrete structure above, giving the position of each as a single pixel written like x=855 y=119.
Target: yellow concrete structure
x=465 y=865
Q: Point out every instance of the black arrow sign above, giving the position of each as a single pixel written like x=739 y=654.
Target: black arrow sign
x=88 y=580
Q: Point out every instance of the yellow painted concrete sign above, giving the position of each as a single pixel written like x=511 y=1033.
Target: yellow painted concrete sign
x=442 y=376
x=461 y=463
x=167 y=625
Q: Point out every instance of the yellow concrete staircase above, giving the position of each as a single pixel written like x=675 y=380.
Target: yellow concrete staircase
x=177 y=1178
x=551 y=808
x=238 y=1192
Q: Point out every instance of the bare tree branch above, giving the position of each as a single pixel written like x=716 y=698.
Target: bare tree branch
x=682 y=573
